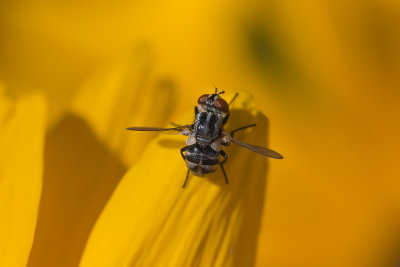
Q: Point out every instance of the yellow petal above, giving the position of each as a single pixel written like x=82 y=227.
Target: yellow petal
x=22 y=128
x=151 y=221
x=121 y=95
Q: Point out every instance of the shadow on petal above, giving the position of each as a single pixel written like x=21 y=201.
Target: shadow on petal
x=80 y=175
x=172 y=144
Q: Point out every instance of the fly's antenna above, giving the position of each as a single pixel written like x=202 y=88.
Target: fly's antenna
x=216 y=91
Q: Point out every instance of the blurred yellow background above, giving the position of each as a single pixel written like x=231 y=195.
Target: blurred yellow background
x=325 y=73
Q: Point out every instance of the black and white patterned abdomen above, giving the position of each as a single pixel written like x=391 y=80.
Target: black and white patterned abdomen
x=201 y=159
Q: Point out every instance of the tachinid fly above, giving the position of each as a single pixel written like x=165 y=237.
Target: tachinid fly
x=206 y=136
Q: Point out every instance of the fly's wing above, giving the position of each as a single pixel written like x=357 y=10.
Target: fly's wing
x=185 y=130
x=258 y=149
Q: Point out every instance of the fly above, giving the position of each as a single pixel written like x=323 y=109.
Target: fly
x=206 y=137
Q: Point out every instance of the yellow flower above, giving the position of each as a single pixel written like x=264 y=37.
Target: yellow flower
x=324 y=72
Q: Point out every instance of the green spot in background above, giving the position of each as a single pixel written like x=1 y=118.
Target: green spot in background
x=265 y=49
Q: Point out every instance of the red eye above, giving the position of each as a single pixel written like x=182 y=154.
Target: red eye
x=202 y=99
x=221 y=104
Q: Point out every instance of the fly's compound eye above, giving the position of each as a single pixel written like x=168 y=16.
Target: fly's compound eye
x=202 y=99
x=221 y=104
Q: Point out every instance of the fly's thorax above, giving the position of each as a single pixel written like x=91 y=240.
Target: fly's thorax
x=207 y=127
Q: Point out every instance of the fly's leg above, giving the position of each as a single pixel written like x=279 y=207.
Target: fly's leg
x=187 y=177
x=183 y=150
x=224 y=155
x=174 y=124
x=221 y=164
x=183 y=156
x=233 y=99
x=242 y=128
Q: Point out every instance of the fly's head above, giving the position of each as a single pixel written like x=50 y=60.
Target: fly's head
x=213 y=103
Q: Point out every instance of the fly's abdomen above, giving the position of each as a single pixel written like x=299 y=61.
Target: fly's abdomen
x=201 y=160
